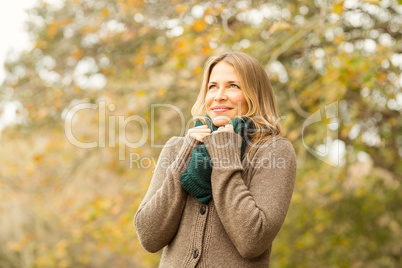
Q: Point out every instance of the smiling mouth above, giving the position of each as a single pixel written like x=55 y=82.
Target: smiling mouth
x=220 y=110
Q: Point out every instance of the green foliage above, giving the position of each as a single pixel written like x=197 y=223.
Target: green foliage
x=66 y=206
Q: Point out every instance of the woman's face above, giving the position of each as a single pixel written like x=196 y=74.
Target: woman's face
x=224 y=100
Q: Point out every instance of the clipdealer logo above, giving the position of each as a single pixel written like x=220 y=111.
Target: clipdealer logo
x=110 y=139
x=122 y=122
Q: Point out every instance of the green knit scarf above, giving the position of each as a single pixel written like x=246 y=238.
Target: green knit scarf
x=197 y=180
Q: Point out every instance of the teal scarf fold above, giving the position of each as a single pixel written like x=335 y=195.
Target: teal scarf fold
x=197 y=180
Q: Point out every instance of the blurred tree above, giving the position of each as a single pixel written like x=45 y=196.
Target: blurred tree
x=67 y=206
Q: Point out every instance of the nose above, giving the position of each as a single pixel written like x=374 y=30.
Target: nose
x=220 y=95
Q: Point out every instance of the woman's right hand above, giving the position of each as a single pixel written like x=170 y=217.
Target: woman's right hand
x=199 y=132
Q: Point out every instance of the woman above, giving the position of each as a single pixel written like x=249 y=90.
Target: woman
x=228 y=213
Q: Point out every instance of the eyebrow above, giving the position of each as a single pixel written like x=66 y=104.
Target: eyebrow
x=227 y=82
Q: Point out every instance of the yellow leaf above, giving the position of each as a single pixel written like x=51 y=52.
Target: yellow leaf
x=138 y=60
x=199 y=26
x=161 y=91
x=141 y=93
x=293 y=135
x=319 y=228
x=77 y=54
x=52 y=29
x=65 y=22
x=38 y=158
x=279 y=26
x=197 y=70
x=361 y=191
x=105 y=12
x=180 y=44
x=338 y=7
x=344 y=133
x=13 y=246
x=70 y=201
x=85 y=29
x=336 y=196
x=181 y=8
x=206 y=50
x=18 y=246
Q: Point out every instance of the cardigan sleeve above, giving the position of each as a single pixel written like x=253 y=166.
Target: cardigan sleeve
x=158 y=216
x=251 y=215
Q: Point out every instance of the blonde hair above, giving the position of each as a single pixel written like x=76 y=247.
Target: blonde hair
x=257 y=90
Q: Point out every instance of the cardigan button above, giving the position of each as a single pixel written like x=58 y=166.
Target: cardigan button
x=195 y=254
x=203 y=209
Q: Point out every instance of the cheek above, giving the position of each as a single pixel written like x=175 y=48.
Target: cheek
x=240 y=98
x=208 y=100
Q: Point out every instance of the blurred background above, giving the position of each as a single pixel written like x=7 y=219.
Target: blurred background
x=91 y=72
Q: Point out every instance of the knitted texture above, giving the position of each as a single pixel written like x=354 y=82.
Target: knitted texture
x=237 y=228
x=197 y=180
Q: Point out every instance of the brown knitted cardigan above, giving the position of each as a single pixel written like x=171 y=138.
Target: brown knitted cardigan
x=248 y=208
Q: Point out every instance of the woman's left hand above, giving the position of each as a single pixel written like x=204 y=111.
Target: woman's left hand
x=226 y=128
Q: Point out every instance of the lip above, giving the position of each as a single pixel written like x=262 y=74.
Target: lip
x=221 y=109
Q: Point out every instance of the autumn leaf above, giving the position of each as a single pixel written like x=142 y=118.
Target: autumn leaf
x=279 y=26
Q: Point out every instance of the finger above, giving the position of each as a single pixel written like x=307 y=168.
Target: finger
x=199 y=130
x=203 y=135
x=222 y=128
x=196 y=137
x=200 y=138
x=225 y=129
x=201 y=127
x=199 y=133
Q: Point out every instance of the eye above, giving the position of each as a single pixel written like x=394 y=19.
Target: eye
x=212 y=87
x=234 y=86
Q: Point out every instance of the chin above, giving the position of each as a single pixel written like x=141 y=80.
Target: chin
x=221 y=121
